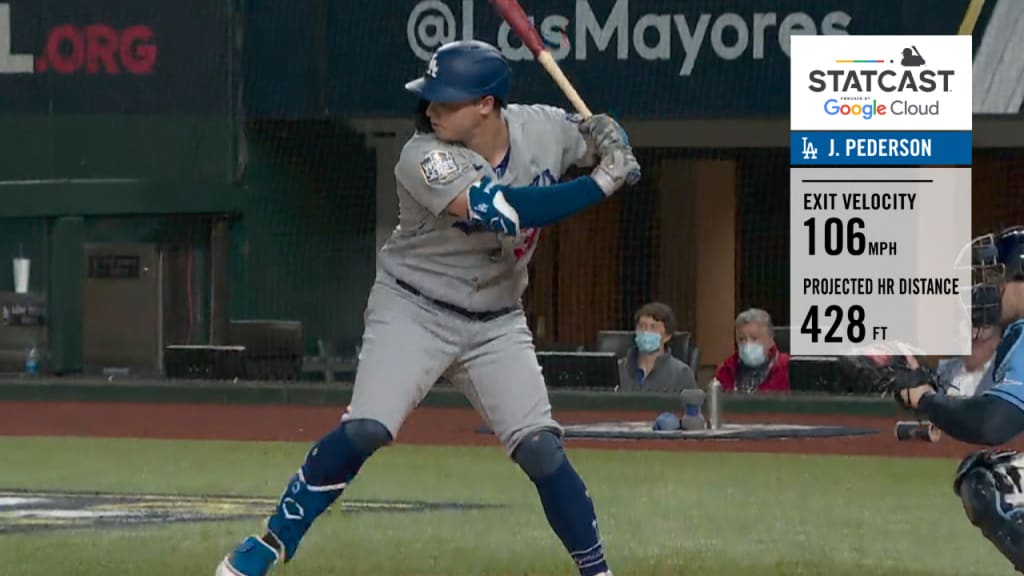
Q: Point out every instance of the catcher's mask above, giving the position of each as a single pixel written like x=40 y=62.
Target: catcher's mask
x=995 y=260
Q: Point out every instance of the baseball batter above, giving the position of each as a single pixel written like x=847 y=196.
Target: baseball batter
x=989 y=481
x=475 y=184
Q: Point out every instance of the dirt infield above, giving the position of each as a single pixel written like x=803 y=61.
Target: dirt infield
x=437 y=426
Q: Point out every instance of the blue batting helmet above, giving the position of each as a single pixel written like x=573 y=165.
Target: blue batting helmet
x=995 y=260
x=461 y=71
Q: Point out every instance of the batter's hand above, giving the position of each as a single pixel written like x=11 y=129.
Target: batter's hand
x=618 y=166
x=603 y=133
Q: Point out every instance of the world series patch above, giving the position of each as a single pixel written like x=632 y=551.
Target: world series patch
x=439 y=167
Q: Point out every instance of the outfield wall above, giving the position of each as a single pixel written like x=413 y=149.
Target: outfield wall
x=306 y=394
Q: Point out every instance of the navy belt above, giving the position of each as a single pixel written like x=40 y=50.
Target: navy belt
x=477 y=316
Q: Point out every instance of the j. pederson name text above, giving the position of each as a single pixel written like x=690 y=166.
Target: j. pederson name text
x=889 y=147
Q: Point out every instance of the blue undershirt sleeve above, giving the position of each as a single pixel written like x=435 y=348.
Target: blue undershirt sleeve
x=542 y=205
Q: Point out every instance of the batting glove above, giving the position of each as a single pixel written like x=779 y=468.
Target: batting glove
x=603 y=133
x=617 y=167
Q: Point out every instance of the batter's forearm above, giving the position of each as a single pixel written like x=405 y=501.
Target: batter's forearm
x=542 y=205
x=535 y=206
x=983 y=420
x=507 y=210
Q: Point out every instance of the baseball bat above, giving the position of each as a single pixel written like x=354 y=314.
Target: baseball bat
x=512 y=13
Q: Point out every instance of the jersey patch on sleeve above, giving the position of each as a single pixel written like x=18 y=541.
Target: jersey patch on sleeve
x=439 y=167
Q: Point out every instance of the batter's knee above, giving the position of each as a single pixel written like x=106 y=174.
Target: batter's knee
x=539 y=453
x=367 y=435
x=337 y=457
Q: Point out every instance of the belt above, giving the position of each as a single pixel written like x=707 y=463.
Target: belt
x=477 y=316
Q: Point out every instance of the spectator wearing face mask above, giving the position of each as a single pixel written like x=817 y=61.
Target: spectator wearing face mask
x=757 y=365
x=650 y=366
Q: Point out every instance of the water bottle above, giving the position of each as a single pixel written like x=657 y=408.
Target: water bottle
x=715 y=404
x=32 y=361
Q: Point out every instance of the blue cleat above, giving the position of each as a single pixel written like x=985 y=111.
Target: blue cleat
x=253 y=557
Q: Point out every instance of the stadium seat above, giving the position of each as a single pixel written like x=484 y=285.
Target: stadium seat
x=782 y=338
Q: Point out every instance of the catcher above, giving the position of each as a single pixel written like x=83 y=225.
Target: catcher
x=989 y=482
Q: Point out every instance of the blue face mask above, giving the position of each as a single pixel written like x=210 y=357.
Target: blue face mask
x=752 y=354
x=647 y=342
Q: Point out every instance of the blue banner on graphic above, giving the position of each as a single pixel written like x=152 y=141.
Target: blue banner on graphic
x=880 y=148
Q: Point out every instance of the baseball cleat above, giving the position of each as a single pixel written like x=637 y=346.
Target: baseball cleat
x=253 y=557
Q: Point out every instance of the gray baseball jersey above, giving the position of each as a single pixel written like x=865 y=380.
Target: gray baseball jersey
x=410 y=341
x=433 y=251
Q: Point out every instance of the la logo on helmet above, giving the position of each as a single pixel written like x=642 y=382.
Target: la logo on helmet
x=432 y=67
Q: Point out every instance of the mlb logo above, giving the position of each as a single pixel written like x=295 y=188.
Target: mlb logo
x=438 y=166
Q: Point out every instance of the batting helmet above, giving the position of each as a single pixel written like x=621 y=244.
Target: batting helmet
x=996 y=259
x=461 y=71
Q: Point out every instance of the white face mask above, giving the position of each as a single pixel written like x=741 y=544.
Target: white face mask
x=752 y=354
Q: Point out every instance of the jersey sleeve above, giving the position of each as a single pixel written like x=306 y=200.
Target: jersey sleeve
x=575 y=151
x=436 y=174
x=1009 y=367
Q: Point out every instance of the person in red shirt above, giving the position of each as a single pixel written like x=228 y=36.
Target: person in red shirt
x=757 y=365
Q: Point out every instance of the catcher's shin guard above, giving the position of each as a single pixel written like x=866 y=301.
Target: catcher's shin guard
x=989 y=485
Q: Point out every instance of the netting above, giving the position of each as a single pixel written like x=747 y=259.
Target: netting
x=642 y=246
x=268 y=190
x=591 y=272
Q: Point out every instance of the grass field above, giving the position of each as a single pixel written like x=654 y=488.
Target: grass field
x=662 y=513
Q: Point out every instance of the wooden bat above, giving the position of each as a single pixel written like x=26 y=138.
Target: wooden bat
x=512 y=13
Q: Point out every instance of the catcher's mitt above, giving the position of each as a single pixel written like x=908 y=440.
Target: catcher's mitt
x=888 y=374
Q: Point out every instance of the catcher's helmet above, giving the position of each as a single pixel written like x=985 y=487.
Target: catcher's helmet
x=995 y=260
x=461 y=71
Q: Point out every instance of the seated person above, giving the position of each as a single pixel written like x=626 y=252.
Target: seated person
x=650 y=366
x=972 y=375
x=757 y=365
